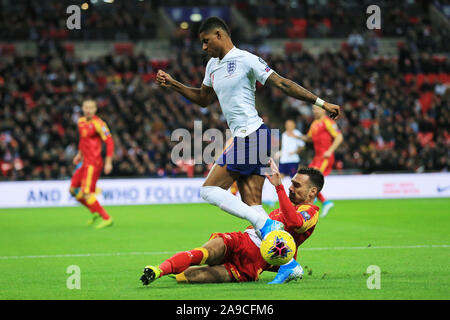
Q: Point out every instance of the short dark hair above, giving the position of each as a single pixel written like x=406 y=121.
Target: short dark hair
x=213 y=22
x=315 y=176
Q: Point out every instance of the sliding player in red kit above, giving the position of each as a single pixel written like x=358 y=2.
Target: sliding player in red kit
x=93 y=132
x=235 y=256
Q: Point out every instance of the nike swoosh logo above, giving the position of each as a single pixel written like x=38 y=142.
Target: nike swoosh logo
x=439 y=189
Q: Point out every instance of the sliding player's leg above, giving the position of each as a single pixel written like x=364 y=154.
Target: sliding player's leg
x=211 y=253
x=241 y=261
x=205 y=274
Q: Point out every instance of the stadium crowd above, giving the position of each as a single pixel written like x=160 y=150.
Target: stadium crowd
x=113 y=20
x=138 y=19
x=393 y=120
x=330 y=18
x=396 y=111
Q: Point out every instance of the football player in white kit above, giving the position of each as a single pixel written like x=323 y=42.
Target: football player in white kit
x=291 y=145
x=230 y=77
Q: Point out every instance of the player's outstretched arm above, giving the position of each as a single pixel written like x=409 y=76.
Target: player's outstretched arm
x=290 y=216
x=296 y=91
x=203 y=96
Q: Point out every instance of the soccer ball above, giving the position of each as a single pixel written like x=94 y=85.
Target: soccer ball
x=278 y=248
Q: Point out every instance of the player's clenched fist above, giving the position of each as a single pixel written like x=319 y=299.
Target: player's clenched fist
x=164 y=79
x=334 y=111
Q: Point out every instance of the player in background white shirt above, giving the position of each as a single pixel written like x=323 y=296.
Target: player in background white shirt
x=230 y=77
x=291 y=145
x=288 y=156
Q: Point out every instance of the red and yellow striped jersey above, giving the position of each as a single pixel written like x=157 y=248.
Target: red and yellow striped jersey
x=308 y=215
x=322 y=132
x=92 y=133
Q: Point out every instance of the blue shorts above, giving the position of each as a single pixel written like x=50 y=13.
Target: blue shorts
x=248 y=155
x=289 y=169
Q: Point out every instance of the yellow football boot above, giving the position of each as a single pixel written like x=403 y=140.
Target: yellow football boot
x=104 y=224
x=93 y=218
x=151 y=273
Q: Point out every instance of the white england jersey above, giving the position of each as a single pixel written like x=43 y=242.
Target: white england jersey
x=234 y=81
x=289 y=147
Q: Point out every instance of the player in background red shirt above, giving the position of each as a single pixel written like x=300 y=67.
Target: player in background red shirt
x=235 y=256
x=93 y=132
x=326 y=138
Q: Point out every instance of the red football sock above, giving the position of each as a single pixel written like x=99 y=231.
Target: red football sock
x=96 y=207
x=182 y=260
x=84 y=203
x=321 y=197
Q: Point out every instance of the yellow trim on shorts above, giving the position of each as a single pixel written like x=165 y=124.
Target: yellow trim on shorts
x=91 y=199
x=324 y=165
x=205 y=254
x=90 y=172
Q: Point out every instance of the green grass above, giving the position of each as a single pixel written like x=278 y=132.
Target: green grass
x=408 y=239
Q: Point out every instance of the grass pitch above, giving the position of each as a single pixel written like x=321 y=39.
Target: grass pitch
x=408 y=240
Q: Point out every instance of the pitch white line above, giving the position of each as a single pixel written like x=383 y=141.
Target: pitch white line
x=87 y=255
x=173 y=252
x=382 y=247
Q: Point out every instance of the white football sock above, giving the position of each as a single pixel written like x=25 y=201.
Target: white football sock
x=260 y=208
x=233 y=205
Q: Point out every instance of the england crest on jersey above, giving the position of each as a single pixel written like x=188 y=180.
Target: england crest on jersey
x=231 y=66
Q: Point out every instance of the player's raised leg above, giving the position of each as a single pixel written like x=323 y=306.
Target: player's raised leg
x=251 y=193
x=214 y=191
